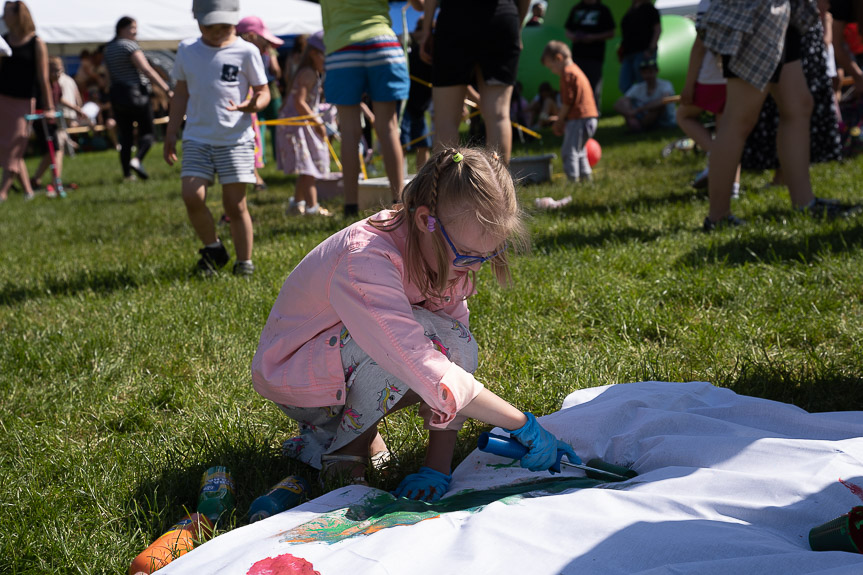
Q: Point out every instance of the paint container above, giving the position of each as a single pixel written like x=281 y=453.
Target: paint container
x=217 y=493
x=178 y=540
x=844 y=533
x=287 y=493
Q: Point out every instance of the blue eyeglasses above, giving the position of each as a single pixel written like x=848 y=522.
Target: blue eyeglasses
x=461 y=261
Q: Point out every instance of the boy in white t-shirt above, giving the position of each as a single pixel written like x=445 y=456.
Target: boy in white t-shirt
x=212 y=73
x=645 y=105
x=704 y=90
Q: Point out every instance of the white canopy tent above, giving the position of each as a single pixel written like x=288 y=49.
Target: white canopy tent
x=161 y=23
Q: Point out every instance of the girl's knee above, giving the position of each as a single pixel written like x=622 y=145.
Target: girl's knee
x=451 y=337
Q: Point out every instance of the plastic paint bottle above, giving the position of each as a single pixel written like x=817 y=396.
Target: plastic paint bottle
x=287 y=493
x=217 y=493
x=178 y=540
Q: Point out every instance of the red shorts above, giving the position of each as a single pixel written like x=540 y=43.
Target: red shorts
x=710 y=97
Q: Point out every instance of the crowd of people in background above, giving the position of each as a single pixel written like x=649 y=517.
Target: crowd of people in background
x=472 y=53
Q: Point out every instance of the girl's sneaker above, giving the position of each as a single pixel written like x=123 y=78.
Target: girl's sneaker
x=318 y=210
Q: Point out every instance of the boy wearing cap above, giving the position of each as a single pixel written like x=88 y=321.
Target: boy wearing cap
x=212 y=74
x=644 y=106
x=578 y=114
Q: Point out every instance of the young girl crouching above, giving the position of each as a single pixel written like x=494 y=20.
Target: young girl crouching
x=375 y=318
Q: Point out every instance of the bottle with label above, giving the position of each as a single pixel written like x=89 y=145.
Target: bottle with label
x=217 y=493
x=287 y=493
x=178 y=540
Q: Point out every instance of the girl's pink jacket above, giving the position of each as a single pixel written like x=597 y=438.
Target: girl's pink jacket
x=356 y=279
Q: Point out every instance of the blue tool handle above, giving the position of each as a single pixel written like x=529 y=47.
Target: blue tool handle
x=500 y=445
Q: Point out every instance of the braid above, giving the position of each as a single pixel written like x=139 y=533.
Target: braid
x=438 y=166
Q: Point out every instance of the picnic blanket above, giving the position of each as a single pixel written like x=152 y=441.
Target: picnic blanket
x=727 y=484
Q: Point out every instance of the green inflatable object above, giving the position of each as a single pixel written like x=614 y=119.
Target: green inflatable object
x=675 y=44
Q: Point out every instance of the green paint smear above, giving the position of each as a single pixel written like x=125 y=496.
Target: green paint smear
x=381 y=510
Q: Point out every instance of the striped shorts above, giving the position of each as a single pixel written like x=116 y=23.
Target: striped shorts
x=234 y=164
x=376 y=67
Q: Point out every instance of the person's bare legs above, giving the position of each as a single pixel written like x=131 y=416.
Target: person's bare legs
x=494 y=104
x=448 y=105
x=351 y=132
x=688 y=119
x=370 y=441
x=743 y=104
x=387 y=129
x=305 y=190
x=195 y=199
x=234 y=203
x=36 y=178
x=794 y=101
x=422 y=157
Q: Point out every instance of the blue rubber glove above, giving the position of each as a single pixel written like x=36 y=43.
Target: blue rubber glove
x=424 y=485
x=544 y=449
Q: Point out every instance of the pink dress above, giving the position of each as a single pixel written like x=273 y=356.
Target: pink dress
x=301 y=150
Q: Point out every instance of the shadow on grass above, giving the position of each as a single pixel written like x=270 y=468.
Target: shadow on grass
x=824 y=387
x=573 y=238
x=162 y=499
x=800 y=247
x=101 y=282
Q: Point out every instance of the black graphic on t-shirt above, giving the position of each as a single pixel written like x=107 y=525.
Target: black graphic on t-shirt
x=229 y=72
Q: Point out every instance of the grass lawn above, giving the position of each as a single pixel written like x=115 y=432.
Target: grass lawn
x=123 y=376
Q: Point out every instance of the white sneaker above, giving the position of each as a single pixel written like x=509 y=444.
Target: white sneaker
x=318 y=210
x=296 y=208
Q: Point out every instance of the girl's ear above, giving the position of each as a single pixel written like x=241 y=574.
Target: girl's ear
x=421 y=217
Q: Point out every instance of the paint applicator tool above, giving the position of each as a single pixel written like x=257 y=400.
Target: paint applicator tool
x=595 y=468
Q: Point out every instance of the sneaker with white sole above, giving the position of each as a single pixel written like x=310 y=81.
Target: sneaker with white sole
x=244 y=269
x=296 y=208
x=318 y=210
x=135 y=164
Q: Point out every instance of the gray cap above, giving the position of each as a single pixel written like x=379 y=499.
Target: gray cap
x=210 y=12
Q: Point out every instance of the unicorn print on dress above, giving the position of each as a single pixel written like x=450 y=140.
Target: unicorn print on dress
x=344 y=337
x=438 y=344
x=387 y=399
x=463 y=333
x=351 y=420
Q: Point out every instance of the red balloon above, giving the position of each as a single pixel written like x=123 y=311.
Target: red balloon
x=594 y=152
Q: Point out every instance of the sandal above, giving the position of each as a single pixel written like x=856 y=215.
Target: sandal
x=381 y=459
x=335 y=472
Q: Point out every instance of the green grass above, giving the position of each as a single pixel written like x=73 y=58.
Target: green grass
x=123 y=376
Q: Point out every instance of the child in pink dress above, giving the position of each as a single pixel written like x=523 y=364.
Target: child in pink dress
x=303 y=149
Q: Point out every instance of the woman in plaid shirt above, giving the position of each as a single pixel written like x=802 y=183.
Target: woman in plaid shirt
x=759 y=41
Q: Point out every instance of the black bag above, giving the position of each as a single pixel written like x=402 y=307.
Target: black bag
x=130 y=95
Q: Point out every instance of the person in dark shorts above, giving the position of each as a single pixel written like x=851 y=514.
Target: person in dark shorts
x=480 y=39
x=589 y=25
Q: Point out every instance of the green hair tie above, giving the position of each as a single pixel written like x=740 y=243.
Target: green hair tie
x=457 y=157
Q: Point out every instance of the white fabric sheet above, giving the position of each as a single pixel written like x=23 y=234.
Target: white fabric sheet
x=727 y=484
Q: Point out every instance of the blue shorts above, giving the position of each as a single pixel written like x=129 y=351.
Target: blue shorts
x=376 y=67
x=413 y=127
